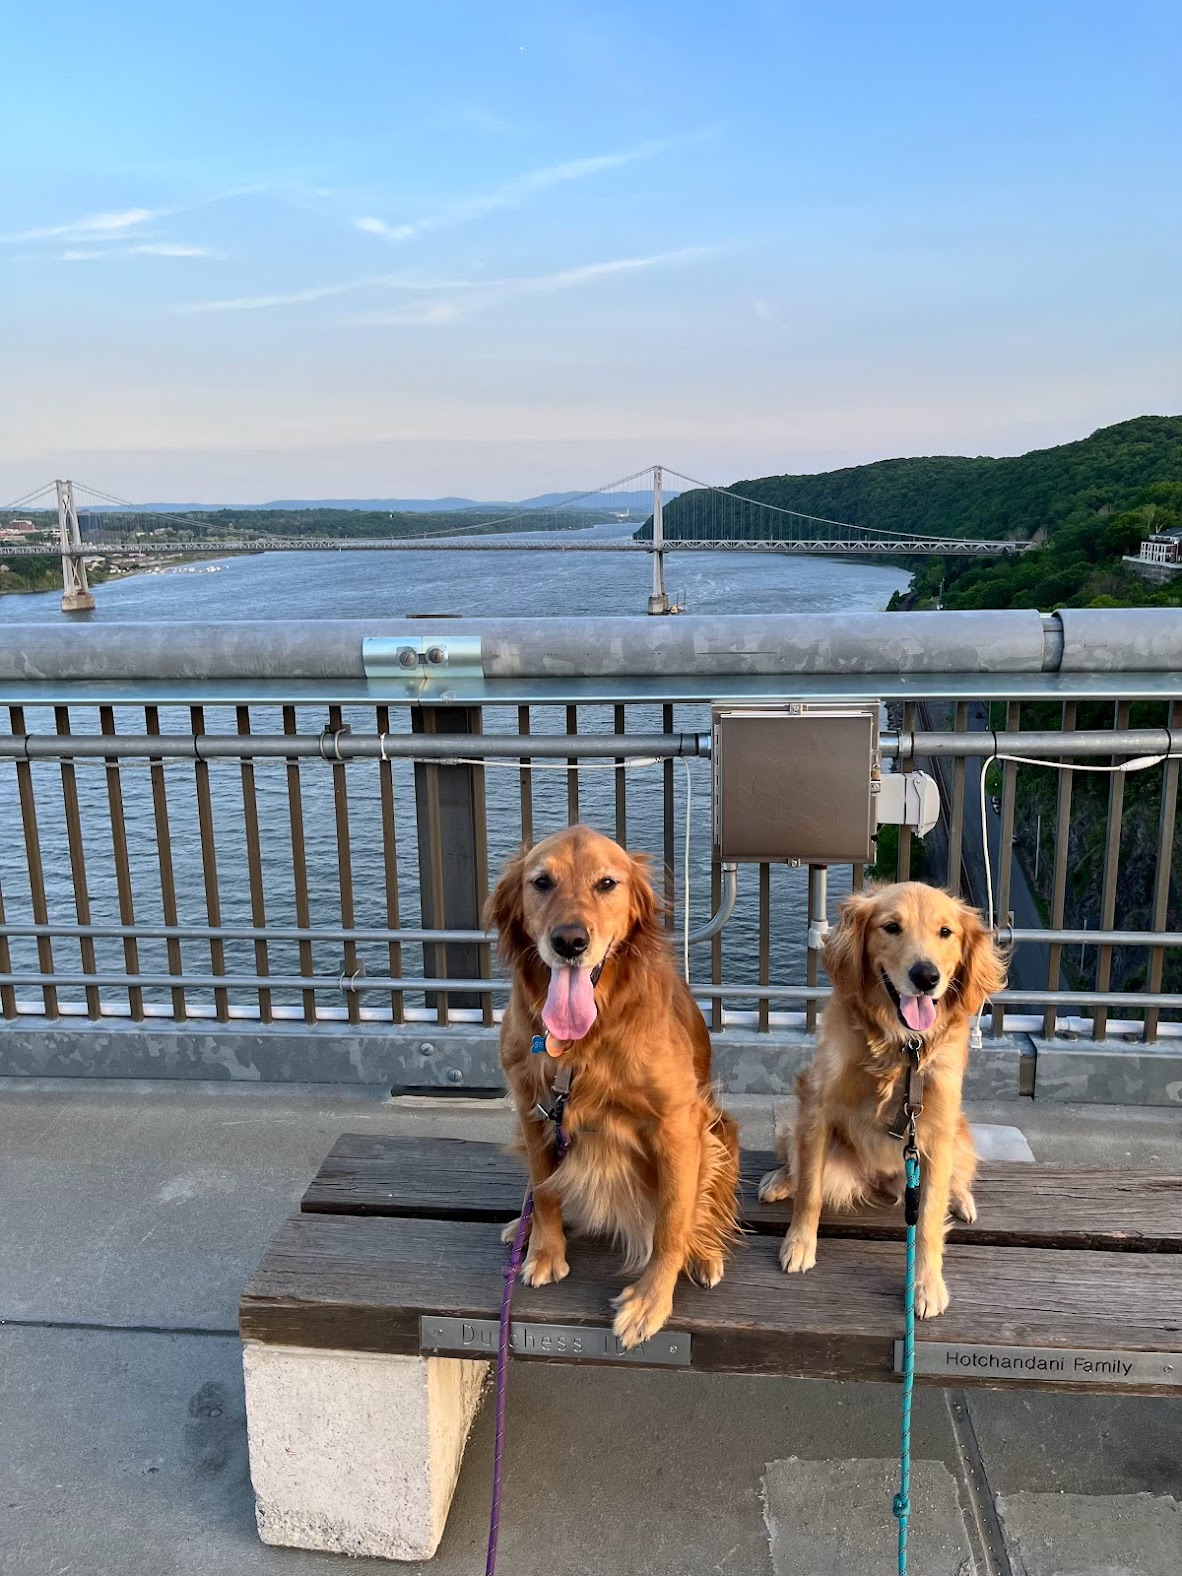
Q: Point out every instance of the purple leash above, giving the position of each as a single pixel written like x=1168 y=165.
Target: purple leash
x=511 y=1272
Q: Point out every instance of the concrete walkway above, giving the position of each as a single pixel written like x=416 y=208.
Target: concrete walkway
x=132 y=1214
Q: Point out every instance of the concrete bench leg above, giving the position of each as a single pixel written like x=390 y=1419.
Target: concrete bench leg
x=356 y=1452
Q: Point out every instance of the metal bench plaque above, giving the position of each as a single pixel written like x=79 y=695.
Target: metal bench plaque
x=1043 y=1364
x=569 y=1342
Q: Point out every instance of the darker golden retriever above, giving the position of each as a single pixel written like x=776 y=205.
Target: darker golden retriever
x=910 y=966
x=653 y=1161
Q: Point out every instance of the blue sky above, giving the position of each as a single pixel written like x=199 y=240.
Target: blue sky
x=262 y=249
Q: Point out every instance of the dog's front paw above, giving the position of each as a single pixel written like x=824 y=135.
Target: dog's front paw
x=776 y=1185
x=965 y=1207
x=798 y=1253
x=641 y=1310
x=706 y=1272
x=544 y=1266
x=931 y=1295
x=509 y=1234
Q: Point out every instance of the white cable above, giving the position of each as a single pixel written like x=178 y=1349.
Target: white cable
x=532 y=766
x=1139 y=763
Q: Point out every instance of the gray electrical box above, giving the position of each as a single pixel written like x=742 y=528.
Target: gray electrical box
x=795 y=781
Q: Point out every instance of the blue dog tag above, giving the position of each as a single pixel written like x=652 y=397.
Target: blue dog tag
x=538 y=1045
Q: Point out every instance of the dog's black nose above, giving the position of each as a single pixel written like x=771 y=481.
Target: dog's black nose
x=924 y=976
x=570 y=941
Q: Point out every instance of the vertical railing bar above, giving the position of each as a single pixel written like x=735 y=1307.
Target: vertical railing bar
x=73 y=814
x=572 y=777
x=1005 y=842
x=28 y=803
x=340 y=797
x=209 y=865
x=903 y=860
x=621 y=782
x=435 y=874
x=7 y=992
x=765 y=942
x=716 y=1005
x=254 y=865
x=480 y=853
x=812 y=954
x=168 y=901
x=956 y=819
x=1059 y=874
x=390 y=860
x=526 y=780
x=1116 y=815
x=1161 y=879
x=131 y=951
x=299 y=860
x=670 y=840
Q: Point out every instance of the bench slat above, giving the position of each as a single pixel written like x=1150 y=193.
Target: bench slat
x=361 y=1283
x=1044 y=1205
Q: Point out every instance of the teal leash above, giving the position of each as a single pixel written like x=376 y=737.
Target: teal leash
x=902 y=1506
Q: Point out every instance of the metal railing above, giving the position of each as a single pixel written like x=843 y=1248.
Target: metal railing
x=266 y=859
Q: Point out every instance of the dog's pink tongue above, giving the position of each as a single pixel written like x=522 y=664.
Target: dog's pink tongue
x=570 y=1004
x=919 y=1012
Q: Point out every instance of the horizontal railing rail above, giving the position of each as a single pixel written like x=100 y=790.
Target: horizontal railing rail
x=285 y=860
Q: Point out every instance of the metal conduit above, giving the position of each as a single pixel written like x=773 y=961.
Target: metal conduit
x=342 y=745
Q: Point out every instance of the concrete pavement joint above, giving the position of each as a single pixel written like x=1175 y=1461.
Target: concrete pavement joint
x=981 y=1517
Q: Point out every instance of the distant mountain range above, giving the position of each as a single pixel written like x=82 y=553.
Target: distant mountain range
x=413 y=505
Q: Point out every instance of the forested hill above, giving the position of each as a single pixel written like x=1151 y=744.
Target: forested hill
x=1090 y=501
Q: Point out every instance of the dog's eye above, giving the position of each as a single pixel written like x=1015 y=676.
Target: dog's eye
x=893 y=927
x=945 y=932
x=607 y=884
x=542 y=882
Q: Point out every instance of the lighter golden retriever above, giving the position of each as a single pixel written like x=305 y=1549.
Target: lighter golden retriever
x=653 y=1162
x=910 y=966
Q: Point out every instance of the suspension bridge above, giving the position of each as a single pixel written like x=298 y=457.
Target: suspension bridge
x=655 y=511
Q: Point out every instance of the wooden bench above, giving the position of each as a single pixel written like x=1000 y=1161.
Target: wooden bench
x=369 y=1323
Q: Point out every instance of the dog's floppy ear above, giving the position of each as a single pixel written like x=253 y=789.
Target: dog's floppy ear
x=646 y=906
x=982 y=967
x=504 y=912
x=844 y=953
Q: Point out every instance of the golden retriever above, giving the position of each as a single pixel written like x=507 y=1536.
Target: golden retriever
x=910 y=966
x=653 y=1161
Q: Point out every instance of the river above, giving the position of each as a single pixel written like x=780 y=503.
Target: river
x=387 y=585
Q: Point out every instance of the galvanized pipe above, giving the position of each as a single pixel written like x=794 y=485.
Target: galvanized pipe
x=985 y=743
x=1009 y=641
x=720 y=918
x=343 y=745
x=1008 y=935
x=904 y=746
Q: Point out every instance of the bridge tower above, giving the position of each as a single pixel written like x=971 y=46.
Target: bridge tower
x=658 y=602
x=77 y=596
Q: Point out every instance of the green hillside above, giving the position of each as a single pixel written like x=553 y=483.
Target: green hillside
x=1087 y=502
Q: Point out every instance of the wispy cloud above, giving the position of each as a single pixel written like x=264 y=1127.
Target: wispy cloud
x=261 y=303
x=144 y=249
x=93 y=227
x=471 y=294
x=485 y=293
x=513 y=193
